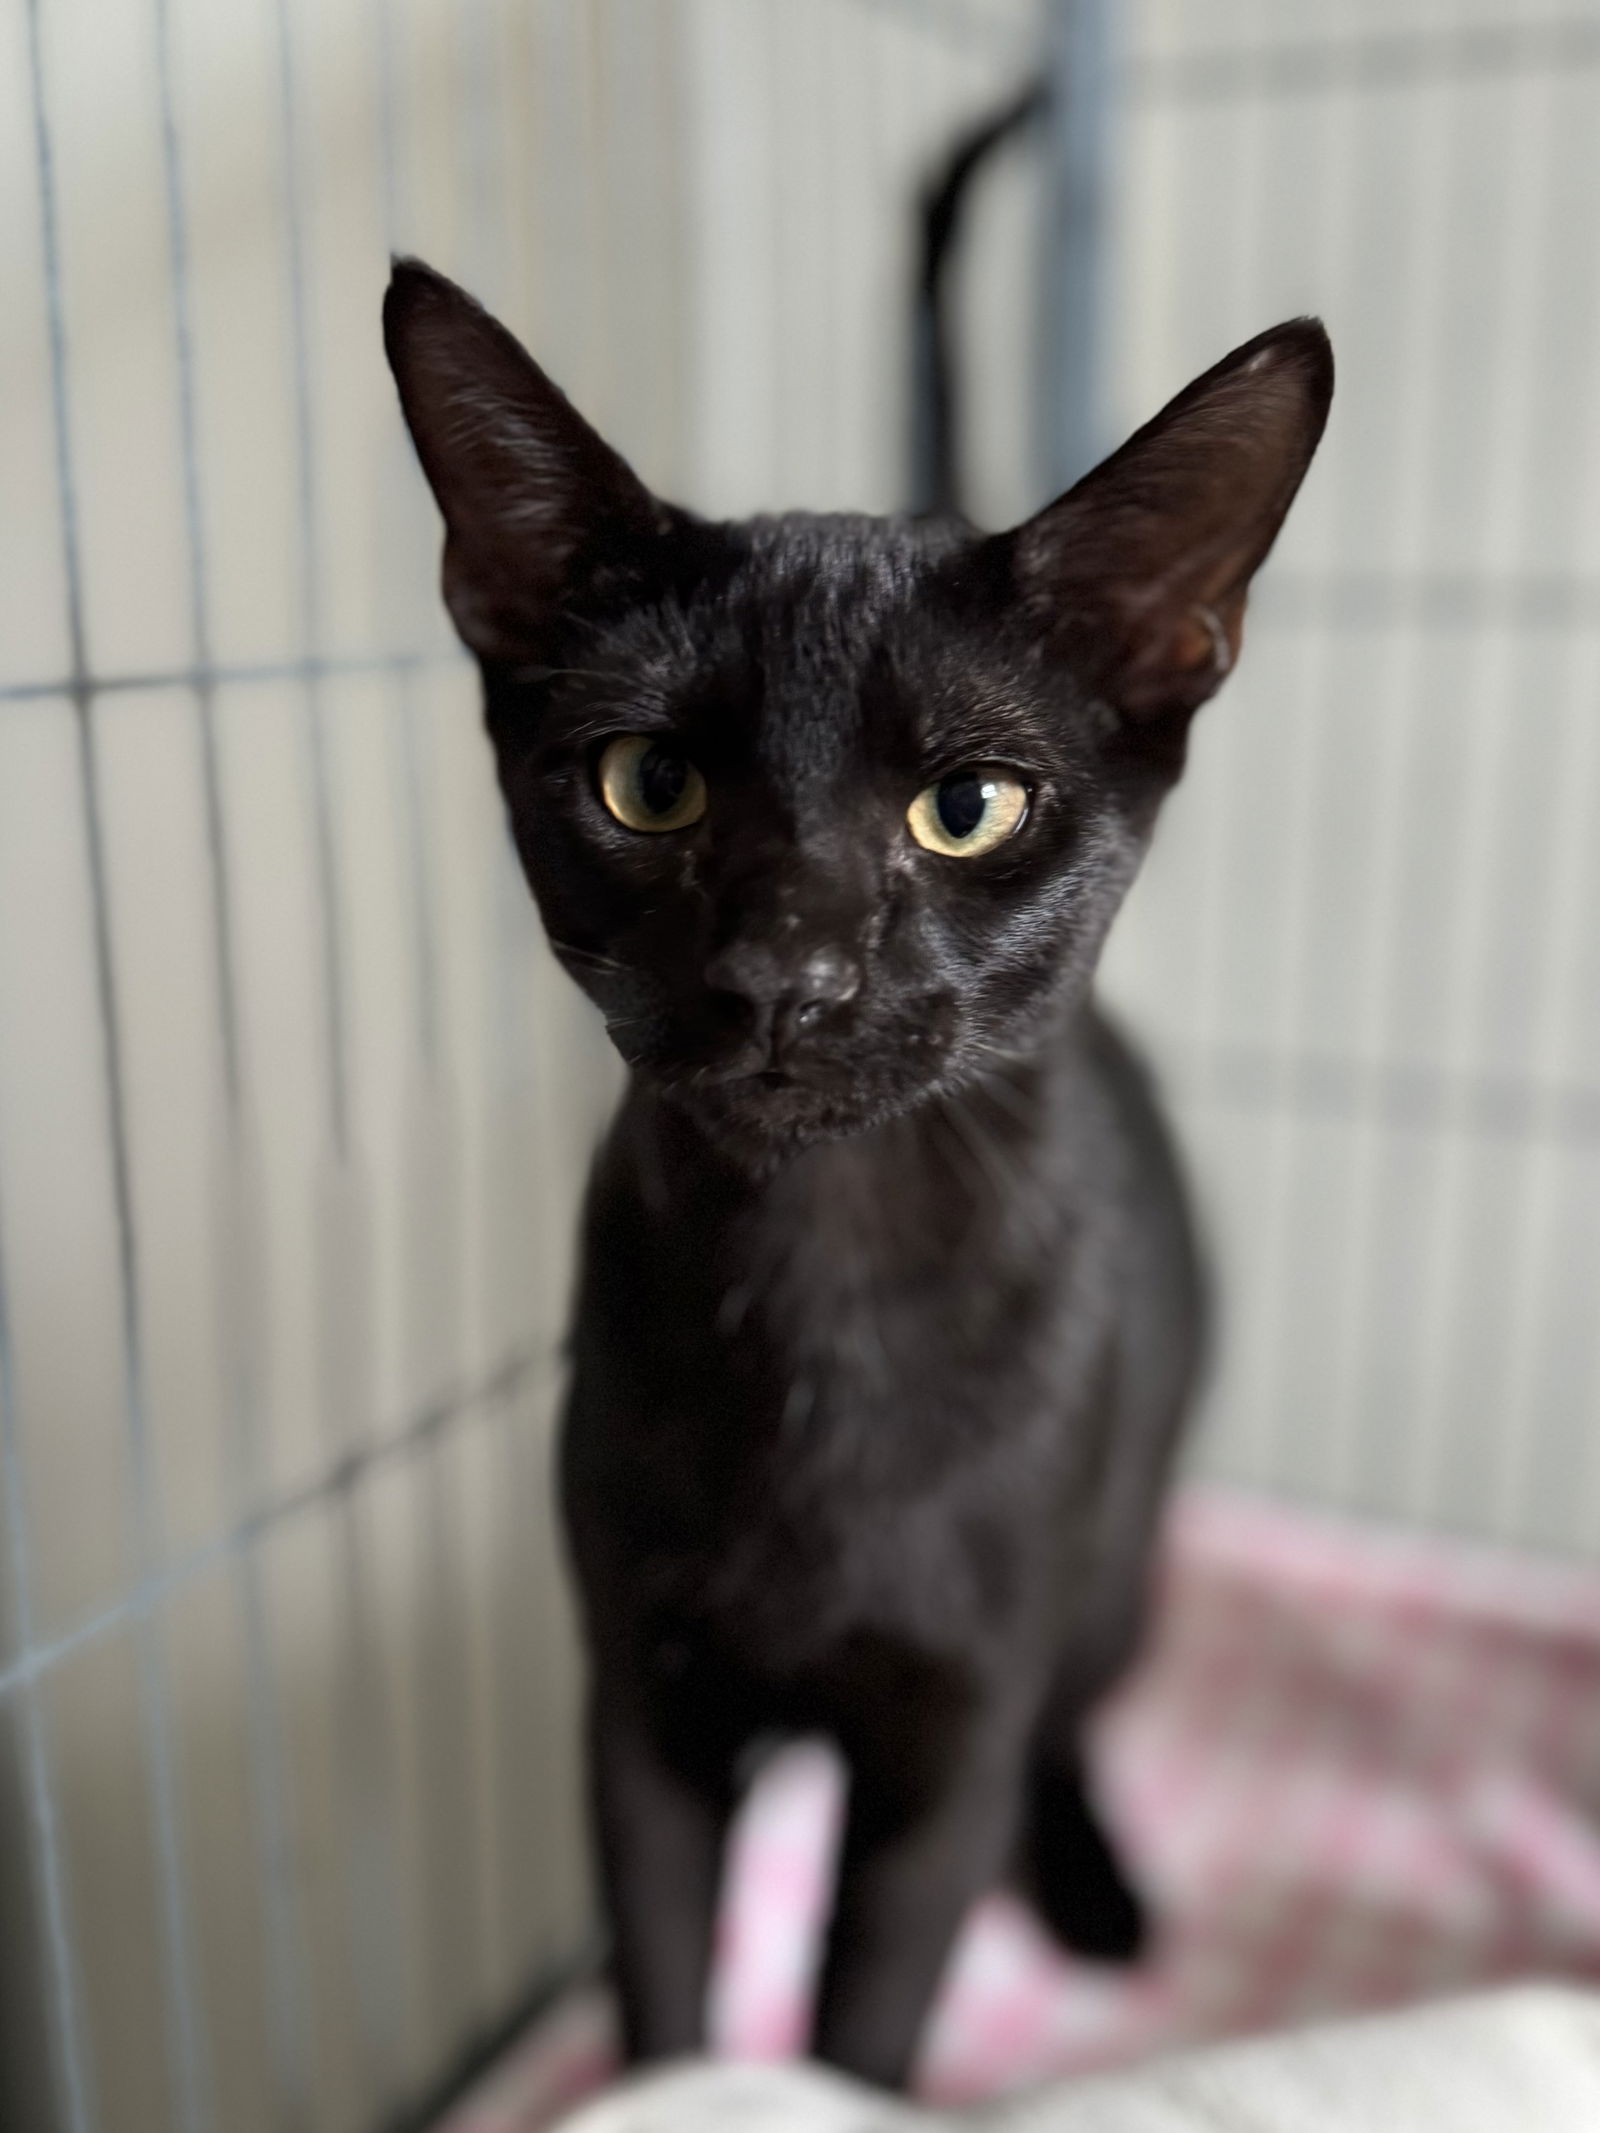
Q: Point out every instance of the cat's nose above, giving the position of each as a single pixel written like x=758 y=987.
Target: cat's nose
x=790 y=985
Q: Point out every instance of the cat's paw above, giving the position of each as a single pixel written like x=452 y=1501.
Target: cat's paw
x=1073 y=1876
x=1104 y=1920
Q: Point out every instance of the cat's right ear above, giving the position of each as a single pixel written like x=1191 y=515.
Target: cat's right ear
x=534 y=501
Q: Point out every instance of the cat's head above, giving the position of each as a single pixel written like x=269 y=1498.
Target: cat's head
x=827 y=813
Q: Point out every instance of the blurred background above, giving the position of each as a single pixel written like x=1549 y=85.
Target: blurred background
x=294 y=1109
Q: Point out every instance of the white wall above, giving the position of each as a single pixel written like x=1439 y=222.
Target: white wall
x=811 y=129
x=1368 y=947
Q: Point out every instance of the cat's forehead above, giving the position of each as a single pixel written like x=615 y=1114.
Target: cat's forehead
x=809 y=644
x=807 y=587
x=845 y=552
x=816 y=588
x=827 y=610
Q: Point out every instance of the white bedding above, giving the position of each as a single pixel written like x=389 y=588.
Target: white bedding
x=1525 y=2060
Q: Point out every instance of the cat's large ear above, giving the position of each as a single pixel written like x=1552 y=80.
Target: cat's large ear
x=1140 y=572
x=533 y=499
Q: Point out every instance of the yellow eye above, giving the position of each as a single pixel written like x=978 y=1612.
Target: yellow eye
x=969 y=812
x=648 y=783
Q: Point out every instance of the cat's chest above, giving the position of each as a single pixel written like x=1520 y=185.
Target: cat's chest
x=804 y=1420
x=794 y=1396
x=845 y=1488
x=896 y=1273
x=882 y=1308
x=836 y=1335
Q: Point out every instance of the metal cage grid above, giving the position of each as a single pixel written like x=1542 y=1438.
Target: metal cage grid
x=286 y=1688
x=286 y=2081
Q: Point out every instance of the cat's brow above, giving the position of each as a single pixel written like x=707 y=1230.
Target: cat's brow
x=621 y=702
x=985 y=727
x=619 y=714
x=541 y=673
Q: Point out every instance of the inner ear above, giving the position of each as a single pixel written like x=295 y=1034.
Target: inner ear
x=535 y=502
x=1141 y=572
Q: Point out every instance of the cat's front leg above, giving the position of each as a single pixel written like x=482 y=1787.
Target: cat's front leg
x=660 y=1820
x=914 y=1861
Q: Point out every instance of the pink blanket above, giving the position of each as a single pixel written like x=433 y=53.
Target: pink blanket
x=1353 y=1770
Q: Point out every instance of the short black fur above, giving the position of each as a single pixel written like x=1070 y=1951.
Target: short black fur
x=890 y=1308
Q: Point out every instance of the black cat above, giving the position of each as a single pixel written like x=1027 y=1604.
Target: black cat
x=890 y=1307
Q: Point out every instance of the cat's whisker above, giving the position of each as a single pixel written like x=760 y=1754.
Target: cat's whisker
x=964 y=1159
x=1005 y=1055
x=532 y=674
x=592 y=625
x=589 y=956
x=997 y=1166
x=1008 y=1097
x=1007 y=1173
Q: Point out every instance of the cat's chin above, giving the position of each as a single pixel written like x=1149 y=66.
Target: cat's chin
x=758 y=1121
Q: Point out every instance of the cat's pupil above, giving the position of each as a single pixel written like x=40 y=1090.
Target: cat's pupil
x=662 y=774
x=963 y=801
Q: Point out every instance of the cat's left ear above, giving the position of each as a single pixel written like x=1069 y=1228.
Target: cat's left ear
x=1139 y=573
x=535 y=502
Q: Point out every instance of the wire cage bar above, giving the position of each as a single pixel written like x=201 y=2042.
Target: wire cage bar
x=293 y=1107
